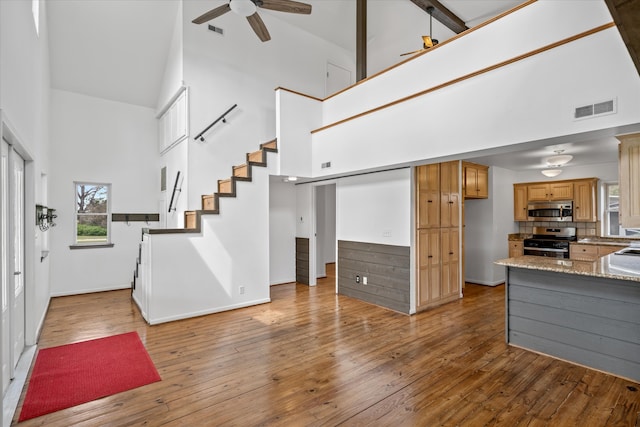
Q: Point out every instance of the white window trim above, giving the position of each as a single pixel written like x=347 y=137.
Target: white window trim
x=91 y=245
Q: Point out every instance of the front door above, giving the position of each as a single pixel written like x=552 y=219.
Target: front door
x=17 y=255
x=4 y=265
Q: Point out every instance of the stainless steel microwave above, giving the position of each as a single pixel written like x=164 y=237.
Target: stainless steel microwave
x=550 y=211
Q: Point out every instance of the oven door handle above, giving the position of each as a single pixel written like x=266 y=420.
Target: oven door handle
x=527 y=248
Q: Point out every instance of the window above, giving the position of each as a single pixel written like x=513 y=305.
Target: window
x=611 y=221
x=92 y=214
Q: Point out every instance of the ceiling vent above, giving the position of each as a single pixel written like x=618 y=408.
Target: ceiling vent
x=599 y=109
x=216 y=30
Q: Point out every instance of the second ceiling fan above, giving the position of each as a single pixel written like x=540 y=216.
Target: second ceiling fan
x=427 y=41
x=249 y=9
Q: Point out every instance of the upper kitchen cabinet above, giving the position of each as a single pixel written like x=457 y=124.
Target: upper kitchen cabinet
x=561 y=190
x=428 y=189
x=520 y=202
x=475 y=183
x=449 y=194
x=585 y=200
x=629 y=180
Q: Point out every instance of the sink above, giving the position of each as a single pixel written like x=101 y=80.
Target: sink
x=629 y=251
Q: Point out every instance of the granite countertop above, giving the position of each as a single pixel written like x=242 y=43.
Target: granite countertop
x=622 y=267
x=607 y=241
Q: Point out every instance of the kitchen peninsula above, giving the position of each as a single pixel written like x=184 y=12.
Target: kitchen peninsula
x=585 y=312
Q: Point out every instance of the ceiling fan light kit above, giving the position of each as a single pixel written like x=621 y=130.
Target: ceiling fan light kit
x=249 y=9
x=555 y=162
x=243 y=7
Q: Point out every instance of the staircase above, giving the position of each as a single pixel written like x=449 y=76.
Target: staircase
x=227 y=187
x=150 y=277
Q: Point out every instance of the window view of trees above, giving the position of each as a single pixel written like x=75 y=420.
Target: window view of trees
x=92 y=211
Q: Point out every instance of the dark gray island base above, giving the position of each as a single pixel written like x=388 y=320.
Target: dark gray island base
x=580 y=311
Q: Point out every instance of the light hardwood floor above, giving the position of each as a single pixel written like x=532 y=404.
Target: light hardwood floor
x=312 y=358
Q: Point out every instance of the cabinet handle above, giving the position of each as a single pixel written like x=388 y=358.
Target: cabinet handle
x=450 y=253
x=450 y=202
x=429 y=201
x=430 y=256
x=577 y=207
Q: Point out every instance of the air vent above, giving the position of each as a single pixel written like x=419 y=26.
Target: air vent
x=216 y=30
x=601 y=108
x=325 y=165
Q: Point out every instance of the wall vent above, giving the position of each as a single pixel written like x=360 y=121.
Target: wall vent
x=216 y=30
x=325 y=165
x=598 y=109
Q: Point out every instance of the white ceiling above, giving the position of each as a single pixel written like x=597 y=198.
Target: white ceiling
x=117 y=49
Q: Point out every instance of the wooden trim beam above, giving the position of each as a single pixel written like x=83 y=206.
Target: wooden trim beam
x=361 y=40
x=626 y=15
x=443 y=15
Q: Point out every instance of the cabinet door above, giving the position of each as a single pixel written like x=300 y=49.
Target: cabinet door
x=450 y=241
x=583 y=252
x=516 y=248
x=584 y=203
x=561 y=191
x=482 y=183
x=538 y=192
x=520 y=202
x=629 y=180
x=428 y=193
x=449 y=195
x=429 y=260
x=470 y=181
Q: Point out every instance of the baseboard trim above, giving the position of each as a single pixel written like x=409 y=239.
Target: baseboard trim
x=158 y=320
x=90 y=291
x=483 y=282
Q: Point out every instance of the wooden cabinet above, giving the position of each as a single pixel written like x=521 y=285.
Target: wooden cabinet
x=428 y=192
x=449 y=194
x=520 y=202
x=590 y=252
x=429 y=266
x=476 y=181
x=450 y=242
x=629 y=180
x=585 y=200
x=516 y=248
x=583 y=252
x=550 y=191
x=438 y=235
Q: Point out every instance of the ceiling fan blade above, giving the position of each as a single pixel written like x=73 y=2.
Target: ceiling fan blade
x=287 y=6
x=411 y=53
x=258 y=27
x=213 y=13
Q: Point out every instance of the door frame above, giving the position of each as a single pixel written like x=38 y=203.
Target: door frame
x=16 y=145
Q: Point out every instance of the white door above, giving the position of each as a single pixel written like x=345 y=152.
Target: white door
x=17 y=254
x=4 y=265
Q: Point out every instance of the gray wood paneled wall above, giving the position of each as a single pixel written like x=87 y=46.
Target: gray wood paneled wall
x=302 y=260
x=386 y=267
x=589 y=320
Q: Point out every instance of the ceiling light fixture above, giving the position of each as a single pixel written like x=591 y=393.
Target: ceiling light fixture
x=243 y=7
x=551 y=172
x=559 y=159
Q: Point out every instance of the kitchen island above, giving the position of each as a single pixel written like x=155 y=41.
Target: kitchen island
x=585 y=312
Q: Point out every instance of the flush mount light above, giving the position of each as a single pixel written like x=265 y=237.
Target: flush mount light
x=290 y=179
x=558 y=160
x=243 y=7
x=551 y=172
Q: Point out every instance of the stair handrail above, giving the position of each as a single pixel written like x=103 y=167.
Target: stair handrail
x=222 y=117
x=175 y=188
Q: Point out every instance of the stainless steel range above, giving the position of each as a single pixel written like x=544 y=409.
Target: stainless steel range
x=551 y=242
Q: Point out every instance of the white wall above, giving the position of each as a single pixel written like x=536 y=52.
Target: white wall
x=282 y=232
x=173 y=71
x=24 y=101
x=488 y=222
x=375 y=208
x=96 y=140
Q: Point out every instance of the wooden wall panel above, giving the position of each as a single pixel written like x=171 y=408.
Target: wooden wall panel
x=302 y=260
x=386 y=267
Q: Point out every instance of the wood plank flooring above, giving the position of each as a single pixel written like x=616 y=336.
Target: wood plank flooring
x=313 y=358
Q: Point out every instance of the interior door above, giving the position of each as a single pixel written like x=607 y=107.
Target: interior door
x=17 y=255
x=4 y=265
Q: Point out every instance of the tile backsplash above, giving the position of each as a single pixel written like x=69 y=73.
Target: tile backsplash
x=583 y=229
